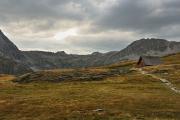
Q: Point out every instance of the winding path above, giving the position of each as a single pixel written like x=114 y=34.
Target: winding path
x=166 y=82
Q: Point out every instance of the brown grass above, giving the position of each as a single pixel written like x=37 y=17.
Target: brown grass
x=170 y=69
x=127 y=96
x=122 y=97
x=172 y=59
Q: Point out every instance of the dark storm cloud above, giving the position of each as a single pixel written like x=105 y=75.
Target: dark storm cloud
x=50 y=12
x=144 y=16
x=43 y=9
x=103 y=25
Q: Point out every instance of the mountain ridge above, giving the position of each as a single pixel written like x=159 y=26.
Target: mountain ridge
x=42 y=60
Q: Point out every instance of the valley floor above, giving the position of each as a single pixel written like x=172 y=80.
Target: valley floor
x=122 y=97
x=127 y=96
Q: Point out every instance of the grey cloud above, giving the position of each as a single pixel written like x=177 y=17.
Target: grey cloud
x=36 y=20
x=102 y=42
x=101 y=45
x=52 y=12
x=41 y=44
x=140 y=16
x=40 y=9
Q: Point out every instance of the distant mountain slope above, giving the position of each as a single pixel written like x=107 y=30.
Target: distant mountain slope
x=49 y=60
x=40 y=60
x=11 y=58
x=9 y=66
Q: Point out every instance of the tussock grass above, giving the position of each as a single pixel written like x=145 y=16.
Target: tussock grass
x=121 y=97
x=126 y=96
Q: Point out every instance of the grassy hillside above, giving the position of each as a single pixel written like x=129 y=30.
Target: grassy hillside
x=117 y=93
x=169 y=70
x=172 y=59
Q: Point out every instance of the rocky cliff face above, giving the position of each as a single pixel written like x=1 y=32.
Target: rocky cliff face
x=8 y=49
x=14 y=61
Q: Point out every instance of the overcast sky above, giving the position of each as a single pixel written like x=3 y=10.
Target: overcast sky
x=85 y=26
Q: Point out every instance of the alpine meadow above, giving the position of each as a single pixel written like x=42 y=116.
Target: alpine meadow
x=89 y=60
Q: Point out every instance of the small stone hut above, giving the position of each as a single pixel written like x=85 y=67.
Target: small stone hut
x=148 y=61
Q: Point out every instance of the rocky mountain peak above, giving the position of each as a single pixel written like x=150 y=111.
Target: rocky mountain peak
x=96 y=53
x=61 y=53
x=8 y=48
x=149 y=46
